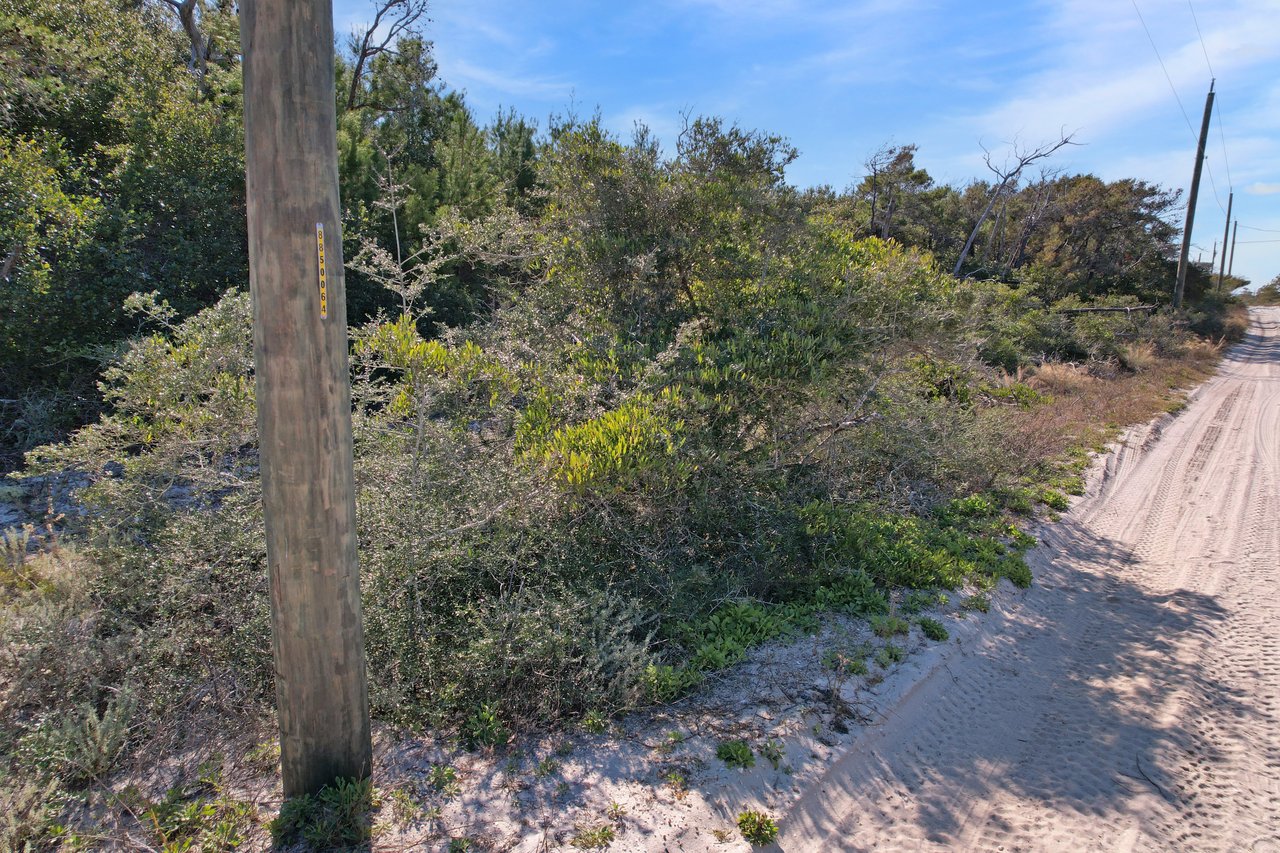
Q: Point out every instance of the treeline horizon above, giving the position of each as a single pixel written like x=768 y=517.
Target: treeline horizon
x=121 y=155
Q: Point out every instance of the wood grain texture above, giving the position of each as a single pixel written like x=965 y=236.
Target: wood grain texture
x=303 y=392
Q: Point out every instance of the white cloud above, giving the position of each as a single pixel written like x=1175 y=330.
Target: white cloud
x=1103 y=74
x=459 y=72
x=1263 y=189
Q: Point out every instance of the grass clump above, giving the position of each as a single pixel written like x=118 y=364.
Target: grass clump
x=887 y=625
x=594 y=838
x=757 y=828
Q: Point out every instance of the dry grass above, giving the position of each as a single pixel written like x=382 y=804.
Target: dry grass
x=1237 y=323
x=1060 y=378
x=1087 y=411
x=1139 y=357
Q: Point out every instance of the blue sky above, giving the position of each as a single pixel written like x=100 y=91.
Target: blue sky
x=840 y=79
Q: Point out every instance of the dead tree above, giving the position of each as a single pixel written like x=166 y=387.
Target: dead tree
x=1007 y=176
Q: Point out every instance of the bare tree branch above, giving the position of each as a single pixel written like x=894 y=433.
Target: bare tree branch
x=399 y=16
x=1008 y=174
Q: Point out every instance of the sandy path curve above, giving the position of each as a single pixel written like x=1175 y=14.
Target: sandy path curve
x=1131 y=699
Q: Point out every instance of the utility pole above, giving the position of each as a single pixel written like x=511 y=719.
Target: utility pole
x=1226 y=232
x=1231 y=265
x=1181 y=285
x=303 y=391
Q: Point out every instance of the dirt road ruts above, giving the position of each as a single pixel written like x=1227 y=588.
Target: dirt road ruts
x=1131 y=699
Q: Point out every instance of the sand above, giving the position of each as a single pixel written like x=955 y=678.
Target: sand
x=1131 y=699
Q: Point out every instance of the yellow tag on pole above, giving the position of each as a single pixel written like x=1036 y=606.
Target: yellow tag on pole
x=324 y=276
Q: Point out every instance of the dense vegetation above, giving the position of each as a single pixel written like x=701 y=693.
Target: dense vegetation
x=620 y=414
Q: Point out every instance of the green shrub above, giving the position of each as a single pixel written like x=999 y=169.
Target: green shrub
x=736 y=753
x=933 y=629
x=28 y=811
x=337 y=816
x=889 y=654
x=757 y=828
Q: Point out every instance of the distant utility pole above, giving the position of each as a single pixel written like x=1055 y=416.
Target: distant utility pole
x=1231 y=265
x=1181 y=286
x=1226 y=232
x=303 y=391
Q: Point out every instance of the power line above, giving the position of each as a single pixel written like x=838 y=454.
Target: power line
x=1201 y=35
x=1223 y=136
x=1246 y=242
x=1264 y=230
x=1226 y=161
x=1178 y=98
x=1214 y=184
x=1160 y=59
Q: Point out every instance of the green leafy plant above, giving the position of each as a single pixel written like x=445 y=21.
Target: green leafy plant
x=405 y=809
x=885 y=625
x=736 y=753
x=889 y=654
x=337 y=816
x=757 y=827
x=773 y=751
x=676 y=781
x=933 y=629
x=484 y=728
x=444 y=778
x=594 y=722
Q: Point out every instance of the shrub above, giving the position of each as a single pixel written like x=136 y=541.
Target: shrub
x=933 y=629
x=757 y=828
x=736 y=753
x=337 y=816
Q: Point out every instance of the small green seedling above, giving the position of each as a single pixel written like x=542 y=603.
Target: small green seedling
x=773 y=751
x=444 y=779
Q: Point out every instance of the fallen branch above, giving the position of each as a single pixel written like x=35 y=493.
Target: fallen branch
x=1128 y=309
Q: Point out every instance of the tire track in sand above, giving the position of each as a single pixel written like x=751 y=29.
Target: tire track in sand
x=1131 y=699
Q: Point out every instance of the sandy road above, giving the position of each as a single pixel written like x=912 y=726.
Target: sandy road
x=1131 y=699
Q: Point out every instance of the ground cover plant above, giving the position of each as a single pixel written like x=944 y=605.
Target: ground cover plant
x=620 y=417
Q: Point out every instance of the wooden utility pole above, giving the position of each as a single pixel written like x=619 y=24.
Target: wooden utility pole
x=1226 y=232
x=1181 y=285
x=1231 y=265
x=303 y=391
